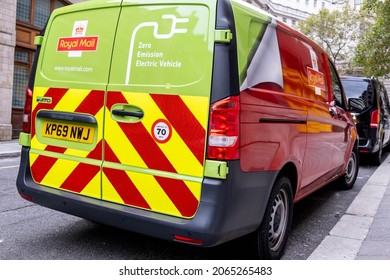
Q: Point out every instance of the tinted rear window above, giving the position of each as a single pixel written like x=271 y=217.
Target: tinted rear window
x=359 y=89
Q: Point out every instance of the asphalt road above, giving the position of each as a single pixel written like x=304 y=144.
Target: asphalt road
x=29 y=231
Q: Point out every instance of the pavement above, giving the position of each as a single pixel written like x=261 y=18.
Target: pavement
x=10 y=148
x=362 y=233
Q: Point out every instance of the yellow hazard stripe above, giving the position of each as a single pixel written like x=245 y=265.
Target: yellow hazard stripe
x=153 y=193
x=93 y=187
x=199 y=106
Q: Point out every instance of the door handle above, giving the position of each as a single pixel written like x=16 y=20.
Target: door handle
x=126 y=113
x=123 y=113
x=334 y=112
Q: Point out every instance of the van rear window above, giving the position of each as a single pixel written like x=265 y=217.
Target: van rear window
x=359 y=89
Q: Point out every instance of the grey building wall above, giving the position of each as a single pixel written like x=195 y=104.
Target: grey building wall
x=7 y=48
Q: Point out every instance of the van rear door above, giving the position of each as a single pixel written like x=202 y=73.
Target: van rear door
x=68 y=101
x=157 y=106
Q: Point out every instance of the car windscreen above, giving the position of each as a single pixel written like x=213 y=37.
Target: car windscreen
x=359 y=89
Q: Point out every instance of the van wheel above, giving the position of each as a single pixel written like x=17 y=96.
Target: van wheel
x=273 y=231
x=376 y=158
x=347 y=181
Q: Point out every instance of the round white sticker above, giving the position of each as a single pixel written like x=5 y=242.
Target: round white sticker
x=161 y=131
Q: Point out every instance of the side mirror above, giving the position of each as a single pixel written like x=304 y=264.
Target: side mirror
x=356 y=104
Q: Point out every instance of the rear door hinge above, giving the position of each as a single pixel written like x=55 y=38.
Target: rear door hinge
x=38 y=40
x=223 y=36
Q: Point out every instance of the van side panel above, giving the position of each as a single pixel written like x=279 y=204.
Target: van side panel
x=326 y=139
x=285 y=105
x=273 y=112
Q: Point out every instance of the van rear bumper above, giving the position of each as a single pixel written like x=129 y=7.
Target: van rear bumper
x=228 y=208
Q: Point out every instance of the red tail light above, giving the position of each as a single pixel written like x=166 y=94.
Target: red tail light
x=188 y=240
x=224 y=129
x=26 y=197
x=27 y=111
x=375 y=117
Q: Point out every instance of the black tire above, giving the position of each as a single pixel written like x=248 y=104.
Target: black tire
x=347 y=180
x=272 y=234
x=377 y=157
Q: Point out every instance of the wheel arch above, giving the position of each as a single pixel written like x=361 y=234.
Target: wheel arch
x=290 y=170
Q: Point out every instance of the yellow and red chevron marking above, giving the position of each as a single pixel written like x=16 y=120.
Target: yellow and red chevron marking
x=60 y=173
x=184 y=154
x=130 y=145
x=133 y=144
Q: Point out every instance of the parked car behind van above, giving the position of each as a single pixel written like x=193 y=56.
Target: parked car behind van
x=196 y=122
x=373 y=120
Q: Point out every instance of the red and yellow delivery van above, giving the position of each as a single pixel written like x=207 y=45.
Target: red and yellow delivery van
x=191 y=121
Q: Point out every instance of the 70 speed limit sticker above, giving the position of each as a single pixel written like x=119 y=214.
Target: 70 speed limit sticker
x=161 y=131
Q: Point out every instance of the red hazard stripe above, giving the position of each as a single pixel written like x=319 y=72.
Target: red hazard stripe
x=80 y=177
x=184 y=122
x=123 y=185
x=56 y=95
x=115 y=97
x=83 y=173
x=55 y=149
x=43 y=164
x=92 y=103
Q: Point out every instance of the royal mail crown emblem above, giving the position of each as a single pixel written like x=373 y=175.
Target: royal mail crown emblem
x=79 y=30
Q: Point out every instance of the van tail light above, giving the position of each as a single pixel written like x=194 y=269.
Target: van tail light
x=188 y=240
x=27 y=111
x=374 y=122
x=224 y=129
x=26 y=197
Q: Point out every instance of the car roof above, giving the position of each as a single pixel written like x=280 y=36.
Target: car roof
x=356 y=78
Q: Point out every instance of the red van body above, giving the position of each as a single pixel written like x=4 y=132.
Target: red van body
x=200 y=143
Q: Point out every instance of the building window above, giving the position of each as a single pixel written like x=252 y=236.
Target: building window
x=284 y=20
x=23 y=10
x=323 y=5
x=32 y=15
x=294 y=22
x=41 y=12
x=37 y=12
x=315 y=3
x=307 y=2
x=23 y=59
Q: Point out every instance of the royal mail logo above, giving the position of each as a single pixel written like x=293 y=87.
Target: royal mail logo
x=78 y=42
x=87 y=43
x=316 y=78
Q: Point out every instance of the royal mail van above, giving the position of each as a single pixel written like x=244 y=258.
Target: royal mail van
x=191 y=121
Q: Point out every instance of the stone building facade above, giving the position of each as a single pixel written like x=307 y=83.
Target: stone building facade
x=7 y=47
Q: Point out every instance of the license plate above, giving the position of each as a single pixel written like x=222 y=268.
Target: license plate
x=75 y=133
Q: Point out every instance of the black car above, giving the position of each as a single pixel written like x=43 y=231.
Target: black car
x=373 y=120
